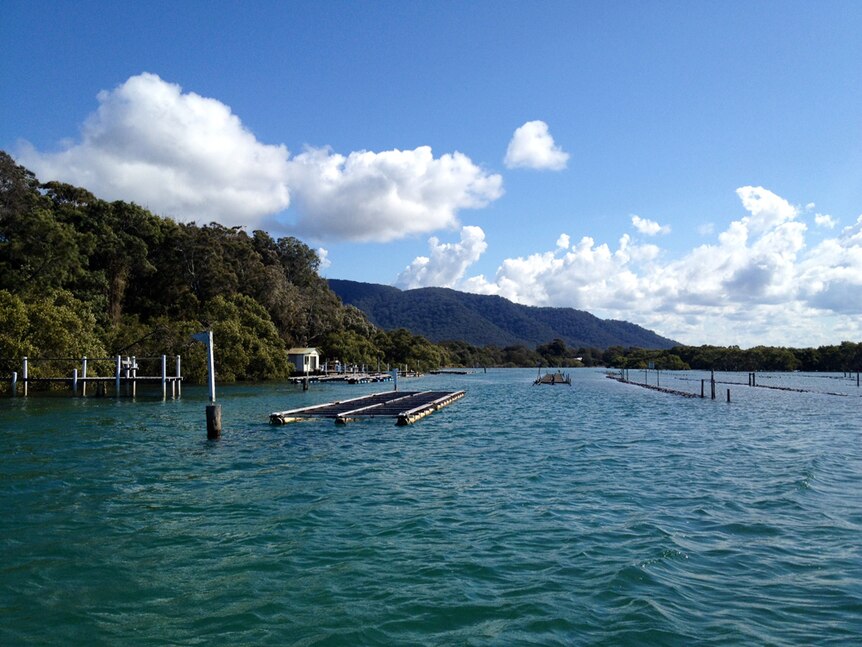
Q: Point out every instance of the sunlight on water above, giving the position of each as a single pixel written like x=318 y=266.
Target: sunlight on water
x=601 y=512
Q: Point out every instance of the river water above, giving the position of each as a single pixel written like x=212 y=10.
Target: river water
x=600 y=513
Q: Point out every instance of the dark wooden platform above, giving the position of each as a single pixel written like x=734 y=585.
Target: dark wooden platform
x=405 y=406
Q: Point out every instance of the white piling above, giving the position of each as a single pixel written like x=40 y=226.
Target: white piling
x=164 y=377
x=84 y=376
x=117 y=370
x=24 y=377
x=14 y=383
x=74 y=382
x=179 y=381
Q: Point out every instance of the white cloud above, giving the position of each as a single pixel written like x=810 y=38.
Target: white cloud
x=383 y=196
x=563 y=241
x=757 y=284
x=826 y=221
x=649 y=227
x=323 y=255
x=447 y=262
x=177 y=153
x=706 y=229
x=532 y=146
x=190 y=157
x=767 y=209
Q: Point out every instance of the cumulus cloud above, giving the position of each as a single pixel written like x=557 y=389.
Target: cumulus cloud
x=533 y=147
x=383 y=196
x=190 y=157
x=649 y=227
x=323 y=256
x=825 y=221
x=447 y=261
x=178 y=153
x=757 y=283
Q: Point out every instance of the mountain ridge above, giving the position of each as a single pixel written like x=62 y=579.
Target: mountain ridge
x=443 y=314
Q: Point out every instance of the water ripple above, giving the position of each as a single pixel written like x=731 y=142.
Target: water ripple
x=600 y=514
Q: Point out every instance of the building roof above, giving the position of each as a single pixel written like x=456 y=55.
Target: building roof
x=303 y=351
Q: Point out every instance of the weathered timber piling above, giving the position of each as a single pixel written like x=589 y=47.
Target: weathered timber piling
x=213 y=421
x=14 y=383
x=702 y=383
x=728 y=395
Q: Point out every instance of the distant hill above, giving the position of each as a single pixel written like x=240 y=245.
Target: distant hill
x=441 y=314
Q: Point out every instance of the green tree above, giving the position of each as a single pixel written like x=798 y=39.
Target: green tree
x=246 y=343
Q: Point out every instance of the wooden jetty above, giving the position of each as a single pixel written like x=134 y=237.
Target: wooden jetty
x=122 y=375
x=405 y=406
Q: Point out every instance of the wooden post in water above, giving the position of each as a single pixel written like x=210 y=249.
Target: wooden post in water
x=213 y=421
x=213 y=410
x=24 y=377
x=14 y=383
x=117 y=368
x=701 y=387
x=74 y=382
x=84 y=376
x=179 y=380
x=712 y=384
x=728 y=395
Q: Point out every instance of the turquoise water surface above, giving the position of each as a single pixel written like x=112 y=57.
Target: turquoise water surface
x=601 y=513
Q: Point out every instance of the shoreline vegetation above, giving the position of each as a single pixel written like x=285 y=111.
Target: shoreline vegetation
x=80 y=276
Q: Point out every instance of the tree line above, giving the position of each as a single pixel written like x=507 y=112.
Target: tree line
x=84 y=276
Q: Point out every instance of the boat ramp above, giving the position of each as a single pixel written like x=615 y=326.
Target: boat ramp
x=405 y=406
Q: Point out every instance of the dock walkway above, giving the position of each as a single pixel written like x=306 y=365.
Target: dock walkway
x=405 y=406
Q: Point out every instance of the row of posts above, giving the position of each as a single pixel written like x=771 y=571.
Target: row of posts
x=124 y=369
x=712 y=386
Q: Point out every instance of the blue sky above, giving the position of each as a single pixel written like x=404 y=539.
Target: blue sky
x=695 y=168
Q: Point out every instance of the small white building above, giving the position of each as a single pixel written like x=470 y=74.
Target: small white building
x=304 y=360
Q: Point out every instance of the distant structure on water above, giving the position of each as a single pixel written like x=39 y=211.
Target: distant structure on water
x=554 y=378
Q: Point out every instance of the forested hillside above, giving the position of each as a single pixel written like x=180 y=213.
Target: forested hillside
x=441 y=314
x=82 y=276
